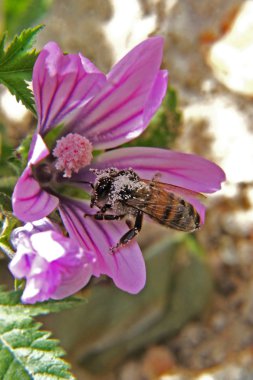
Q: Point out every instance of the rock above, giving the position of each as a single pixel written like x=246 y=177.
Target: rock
x=231 y=58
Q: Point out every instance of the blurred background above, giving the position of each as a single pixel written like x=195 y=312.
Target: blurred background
x=194 y=319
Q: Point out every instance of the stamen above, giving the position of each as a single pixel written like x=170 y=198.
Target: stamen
x=73 y=152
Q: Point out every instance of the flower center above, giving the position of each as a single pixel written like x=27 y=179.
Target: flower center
x=73 y=152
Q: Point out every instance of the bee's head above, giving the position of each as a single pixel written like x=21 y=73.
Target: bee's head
x=101 y=191
x=111 y=184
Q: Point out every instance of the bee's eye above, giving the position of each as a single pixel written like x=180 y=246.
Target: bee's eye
x=103 y=188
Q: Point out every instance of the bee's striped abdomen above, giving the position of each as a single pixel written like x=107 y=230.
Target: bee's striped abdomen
x=179 y=214
x=168 y=209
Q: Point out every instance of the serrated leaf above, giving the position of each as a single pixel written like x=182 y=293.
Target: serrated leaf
x=19 y=88
x=16 y=65
x=54 y=306
x=13 y=298
x=25 y=351
x=20 y=46
x=2 y=42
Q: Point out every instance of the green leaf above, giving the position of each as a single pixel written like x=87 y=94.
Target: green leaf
x=16 y=65
x=2 y=42
x=5 y=202
x=22 y=152
x=6 y=159
x=18 y=15
x=8 y=183
x=12 y=162
x=13 y=299
x=53 y=306
x=26 y=352
x=53 y=135
x=7 y=222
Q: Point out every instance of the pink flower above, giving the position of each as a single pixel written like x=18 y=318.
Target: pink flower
x=81 y=110
x=53 y=265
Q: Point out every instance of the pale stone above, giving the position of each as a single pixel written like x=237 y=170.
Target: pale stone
x=228 y=129
x=122 y=32
x=12 y=109
x=231 y=58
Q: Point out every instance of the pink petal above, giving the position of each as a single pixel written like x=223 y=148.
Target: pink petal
x=66 y=257
x=20 y=265
x=62 y=84
x=53 y=265
x=126 y=266
x=38 y=150
x=76 y=280
x=181 y=169
x=124 y=106
x=156 y=96
x=29 y=201
x=37 y=288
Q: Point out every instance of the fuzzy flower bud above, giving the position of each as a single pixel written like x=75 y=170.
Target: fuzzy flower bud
x=73 y=152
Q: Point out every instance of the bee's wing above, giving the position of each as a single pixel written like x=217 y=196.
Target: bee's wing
x=174 y=189
x=167 y=207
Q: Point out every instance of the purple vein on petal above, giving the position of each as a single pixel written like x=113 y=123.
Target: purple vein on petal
x=121 y=252
x=126 y=270
x=42 y=202
x=76 y=224
x=39 y=103
x=112 y=87
x=82 y=226
x=77 y=104
x=72 y=223
x=109 y=264
x=77 y=229
x=109 y=134
x=26 y=185
x=49 y=106
x=35 y=199
x=77 y=84
x=95 y=103
x=114 y=108
x=66 y=100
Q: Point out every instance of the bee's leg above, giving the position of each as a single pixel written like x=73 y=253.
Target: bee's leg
x=103 y=209
x=129 y=235
x=100 y=212
x=100 y=216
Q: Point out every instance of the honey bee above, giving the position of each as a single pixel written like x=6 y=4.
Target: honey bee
x=122 y=193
